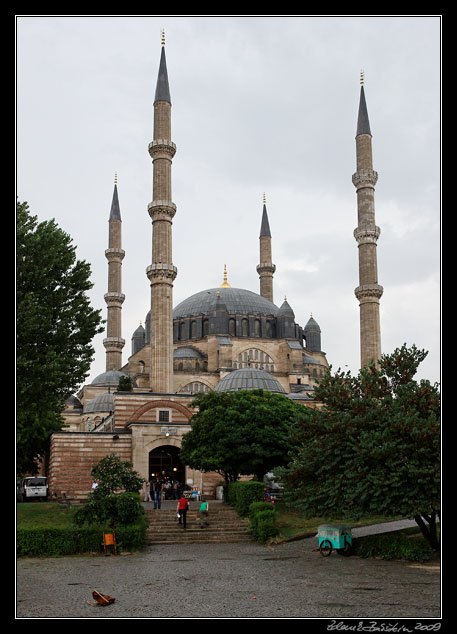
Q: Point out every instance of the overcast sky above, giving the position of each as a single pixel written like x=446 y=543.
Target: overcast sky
x=259 y=104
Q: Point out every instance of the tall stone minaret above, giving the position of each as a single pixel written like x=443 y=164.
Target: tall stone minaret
x=266 y=268
x=366 y=234
x=114 y=297
x=161 y=272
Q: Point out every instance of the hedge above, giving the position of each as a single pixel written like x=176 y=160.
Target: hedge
x=262 y=521
x=240 y=495
x=70 y=541
x=393 y=546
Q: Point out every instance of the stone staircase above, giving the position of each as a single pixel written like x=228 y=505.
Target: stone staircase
x=225 y=525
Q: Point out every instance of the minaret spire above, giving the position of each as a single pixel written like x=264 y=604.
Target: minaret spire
x=266 y=268
x=114 y=298
x=162 y=272
x=366 y=234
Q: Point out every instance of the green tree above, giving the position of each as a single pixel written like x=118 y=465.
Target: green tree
x=125 y=384
x=55 y=326
x=373 y=448
x=239 y=433
x=115 y=499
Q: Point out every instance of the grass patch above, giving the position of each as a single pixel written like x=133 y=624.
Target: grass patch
x=47 y=529
x=293 y=525
x=44 y=514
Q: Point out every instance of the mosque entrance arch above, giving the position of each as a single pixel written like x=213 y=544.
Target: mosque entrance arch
x=164 y=462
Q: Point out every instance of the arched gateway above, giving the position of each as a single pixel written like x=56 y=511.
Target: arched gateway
x=164 y=463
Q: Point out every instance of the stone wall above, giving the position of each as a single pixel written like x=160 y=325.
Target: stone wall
x=72 y=456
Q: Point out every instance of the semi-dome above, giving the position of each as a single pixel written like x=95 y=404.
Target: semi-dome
x=101 y=403
x=187 y=352
x=249 y=379
x=238 y=301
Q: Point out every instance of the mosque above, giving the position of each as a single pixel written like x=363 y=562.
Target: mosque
x=221 y=339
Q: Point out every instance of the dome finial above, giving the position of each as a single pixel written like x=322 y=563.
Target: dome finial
x=264 y=199
x=362 y=77
x=115 y=178
x=225 y=284
x=163 y=37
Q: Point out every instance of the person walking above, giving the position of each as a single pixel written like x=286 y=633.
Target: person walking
x=158 y=488
x=146 y=493
x=204 y=513
x=181 y=509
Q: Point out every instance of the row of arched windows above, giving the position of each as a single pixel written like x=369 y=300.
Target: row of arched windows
x=243 y=330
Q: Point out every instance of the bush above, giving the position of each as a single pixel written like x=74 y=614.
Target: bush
x=122 y=509
x=242 y=494
x=262 y=521
x=393 y=546
x=53 y=542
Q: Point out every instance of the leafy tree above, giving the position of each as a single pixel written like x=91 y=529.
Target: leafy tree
x=115 y=499
x=55 y=326
x=113 y=474
x=238 y=433
x=125 y=384
x=373 y=448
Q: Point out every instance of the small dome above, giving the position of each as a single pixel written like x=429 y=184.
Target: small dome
x=74 y=402
x=139 y=332
x=285 y=309
x=101 y=403
x=110 y=378
x=249 y=379
x=312 y=325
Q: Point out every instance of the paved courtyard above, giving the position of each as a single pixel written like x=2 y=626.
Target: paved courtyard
x=229 y=581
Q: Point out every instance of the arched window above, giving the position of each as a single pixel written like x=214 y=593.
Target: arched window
x=268 y=330
x=193 y=330
x=194 y=388
x=181 y=330
x=232 y=327
x=205 y=327
x=257 y=328
x=244 y=328
x=255 y=358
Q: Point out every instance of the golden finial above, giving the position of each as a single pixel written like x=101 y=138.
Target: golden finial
x=225 y=284
x=264 y=198
x=285 y=298
x=115 y=178
x=362 y=77
x=163 y=37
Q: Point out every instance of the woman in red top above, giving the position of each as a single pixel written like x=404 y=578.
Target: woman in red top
x=181 y=509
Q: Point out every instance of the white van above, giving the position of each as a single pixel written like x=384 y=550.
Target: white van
x=32 y=488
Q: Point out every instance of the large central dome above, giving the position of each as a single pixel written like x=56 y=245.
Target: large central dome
x=237 y=301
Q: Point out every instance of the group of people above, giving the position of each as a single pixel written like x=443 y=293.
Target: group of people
x=182 y=508
x=161 y=488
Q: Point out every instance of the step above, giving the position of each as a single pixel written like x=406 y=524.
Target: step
x=225 y=526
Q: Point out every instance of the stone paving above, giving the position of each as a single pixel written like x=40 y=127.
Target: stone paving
x=221 y=581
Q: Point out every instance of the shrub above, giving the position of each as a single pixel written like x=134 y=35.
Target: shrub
x=393 y=546
x=262 y=521
x=54 y=542
x=242 y=494
x=122 y=509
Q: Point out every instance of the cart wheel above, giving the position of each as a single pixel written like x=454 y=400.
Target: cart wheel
x=346 y=551
x=325 y=548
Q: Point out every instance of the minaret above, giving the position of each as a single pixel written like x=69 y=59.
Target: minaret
x=266 y=268
x=366 y=234
x=114 y=297
x=161 y=272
